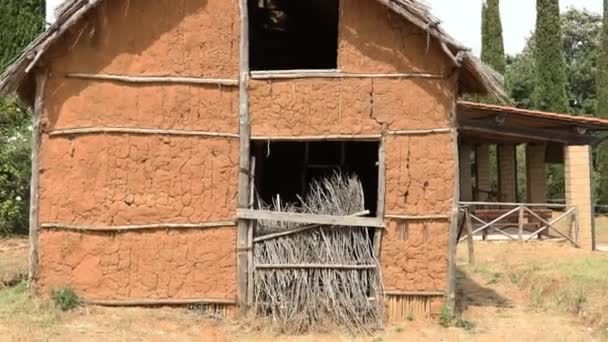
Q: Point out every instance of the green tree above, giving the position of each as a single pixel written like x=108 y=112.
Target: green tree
x=580 y=32
x=492 y=49
x=20 y=22
x=601 y=161
x=551 y=81
x=580 y=40
x=15 y=134
x=602 y=75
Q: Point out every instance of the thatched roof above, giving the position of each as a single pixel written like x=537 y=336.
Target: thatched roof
x=476 y=77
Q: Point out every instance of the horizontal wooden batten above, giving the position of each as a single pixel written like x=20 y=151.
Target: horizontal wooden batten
x=346 y=221
x=155 y=226
x=414 y=293
x=332 y=73
x=299 y=230
x=154 y=79
x=315 y=266
x=418 y=217
x=137 y=131
x=157 y=302
x=421 y=131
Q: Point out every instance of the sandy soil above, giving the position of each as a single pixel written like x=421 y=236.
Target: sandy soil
x=499 y=311
x=13 y=260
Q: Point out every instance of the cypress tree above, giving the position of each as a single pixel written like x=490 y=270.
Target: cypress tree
x=551 y=81
x=20 y=22
x=492 y=49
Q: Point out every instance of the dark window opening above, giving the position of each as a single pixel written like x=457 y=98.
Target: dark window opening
x=287 y=168
x=293 y=34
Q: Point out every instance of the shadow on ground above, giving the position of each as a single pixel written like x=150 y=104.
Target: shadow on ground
x=471 y=293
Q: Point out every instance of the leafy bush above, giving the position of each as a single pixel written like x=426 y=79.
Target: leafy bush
x=15 y=167
x=66 y=299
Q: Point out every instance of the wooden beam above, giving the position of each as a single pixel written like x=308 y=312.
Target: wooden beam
x=513 y=204
x=360 y=137
x=158 y=302
x=326 y=220
x=332 y=73
x=315 y=266
x=155 y=79
x=155 y=226
x=41 y=79
x=137 y=131
x=527 y=134
x=244 y=159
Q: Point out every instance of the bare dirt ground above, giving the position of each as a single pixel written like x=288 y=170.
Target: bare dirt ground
x=499 y=301
x=13 y=261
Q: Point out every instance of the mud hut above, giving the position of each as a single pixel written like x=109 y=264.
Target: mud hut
x=148 y=114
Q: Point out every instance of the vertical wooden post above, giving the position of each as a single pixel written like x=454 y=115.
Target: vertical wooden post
x=577 y=227
x=250 y=231
x=244 y=161
x=41 y=78
x=380 y=211
x=469 y=226
x=453 y=235
x=520 y=224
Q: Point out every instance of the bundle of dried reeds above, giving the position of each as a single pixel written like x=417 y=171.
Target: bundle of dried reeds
x=322 y=276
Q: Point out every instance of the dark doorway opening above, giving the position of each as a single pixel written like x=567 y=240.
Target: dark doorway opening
x=288 y=168
x=293 y=34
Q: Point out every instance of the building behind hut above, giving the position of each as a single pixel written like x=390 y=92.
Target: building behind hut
x=147 y=114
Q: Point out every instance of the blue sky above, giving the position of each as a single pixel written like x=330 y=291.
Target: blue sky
x=462 y=19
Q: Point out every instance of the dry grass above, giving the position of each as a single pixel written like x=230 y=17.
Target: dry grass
x=536 y=292
x=555 y=279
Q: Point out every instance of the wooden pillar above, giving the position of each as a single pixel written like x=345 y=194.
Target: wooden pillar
x=578 y=173
x=483 y=177
x=41 y=78
x=507 y=173
x=465 y=176
x=244 y=161
x=536 y=175
x=453 y=234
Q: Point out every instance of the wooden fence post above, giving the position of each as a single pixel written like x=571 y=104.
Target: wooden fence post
x=520 y=224
x=470 y=241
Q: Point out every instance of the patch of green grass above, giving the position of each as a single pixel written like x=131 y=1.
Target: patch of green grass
x=465 y=324
x=17 y=306
x=495 y=278
x=66 y=299
x=445 y=317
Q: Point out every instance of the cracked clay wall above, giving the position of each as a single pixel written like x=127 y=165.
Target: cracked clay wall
x=100 y=180
x=420 y=176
